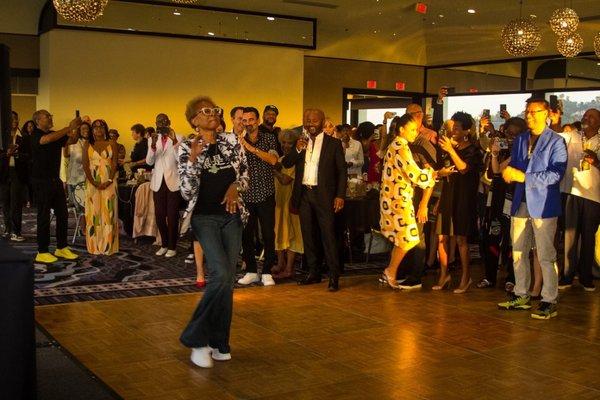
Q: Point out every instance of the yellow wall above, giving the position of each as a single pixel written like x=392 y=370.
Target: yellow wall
x=24 y=106
x=325 y=79
x=128 y=78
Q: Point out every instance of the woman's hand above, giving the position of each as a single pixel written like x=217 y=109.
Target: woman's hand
x=422 y=214
x=231 y=199
x=495 y=146
x=197 y=147
x=447 y=144
x=446 y=171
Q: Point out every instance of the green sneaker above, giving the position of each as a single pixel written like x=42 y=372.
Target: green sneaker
x=516 y=303
x=545 y=311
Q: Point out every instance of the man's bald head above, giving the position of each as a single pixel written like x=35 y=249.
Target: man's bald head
x=314 y=120
x=162 y=120
x=591 y=120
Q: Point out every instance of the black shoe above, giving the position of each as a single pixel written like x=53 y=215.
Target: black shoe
x=410 y=284
x=310 y=279
x=564 y=283
x=334 y=285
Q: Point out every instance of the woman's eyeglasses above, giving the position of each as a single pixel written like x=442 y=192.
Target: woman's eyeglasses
x=210 y=111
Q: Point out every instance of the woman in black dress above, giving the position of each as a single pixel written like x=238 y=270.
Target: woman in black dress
x=458 y=202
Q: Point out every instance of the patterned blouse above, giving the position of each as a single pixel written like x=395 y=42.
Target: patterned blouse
x=189 y=174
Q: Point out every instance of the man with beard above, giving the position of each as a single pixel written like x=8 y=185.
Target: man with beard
x=261 y=154
x=319 y=191
x=268 y=126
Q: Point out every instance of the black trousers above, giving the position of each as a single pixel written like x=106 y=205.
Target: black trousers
x=413 y=265
x=50 y=195
x=263 y=213
x=316 y=217
x=12 y=195
x=166 y=211
x=581 y=222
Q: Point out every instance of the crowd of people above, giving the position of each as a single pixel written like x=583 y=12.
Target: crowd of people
x=520 y=190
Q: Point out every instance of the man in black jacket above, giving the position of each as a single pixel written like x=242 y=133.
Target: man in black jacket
x=14 y=171
x=319 y=191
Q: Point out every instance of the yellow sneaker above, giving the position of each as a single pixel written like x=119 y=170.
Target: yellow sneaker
x=45 y=258
x=66 y=253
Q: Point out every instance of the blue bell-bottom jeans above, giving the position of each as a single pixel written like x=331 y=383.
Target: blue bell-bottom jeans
x=221 y=240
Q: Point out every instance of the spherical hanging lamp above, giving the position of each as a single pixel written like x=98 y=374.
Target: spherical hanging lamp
x=564 y=21
x=79 y=10
x=570 y=46
x=521 y=37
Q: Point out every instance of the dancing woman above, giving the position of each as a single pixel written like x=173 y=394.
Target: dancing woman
x=400 y=174
x=213 y=170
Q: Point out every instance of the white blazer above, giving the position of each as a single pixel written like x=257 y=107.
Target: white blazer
x=165 y=164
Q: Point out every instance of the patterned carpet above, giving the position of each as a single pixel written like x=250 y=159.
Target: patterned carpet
x=134 y=271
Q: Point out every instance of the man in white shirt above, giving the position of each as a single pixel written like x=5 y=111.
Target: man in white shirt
x=353 y=154
x=582 y=211
x=237 y=125
x=318 y=193
x=162 y=154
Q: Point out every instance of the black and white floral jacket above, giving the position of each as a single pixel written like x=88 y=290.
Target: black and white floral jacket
x=189 y=174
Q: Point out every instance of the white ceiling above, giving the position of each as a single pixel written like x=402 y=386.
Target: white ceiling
x=388 y=30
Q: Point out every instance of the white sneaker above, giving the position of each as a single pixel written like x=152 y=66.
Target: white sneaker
x=249 y=278
x=201 y=357
x=189 y=259
x=218 y=356
x=267 y=280
x=16 y=238
x=161 y=251
x=171 y=253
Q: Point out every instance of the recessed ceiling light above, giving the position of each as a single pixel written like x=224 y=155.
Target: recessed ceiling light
x=271 y=18
x=303 y=37
x=441 y=15
x=211 y=34
x=598 y=63
x=176 y=12
x=471 y=11
x=533 y=15
x=130 y=29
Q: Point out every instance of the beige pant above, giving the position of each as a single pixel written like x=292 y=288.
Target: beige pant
x=527 y=233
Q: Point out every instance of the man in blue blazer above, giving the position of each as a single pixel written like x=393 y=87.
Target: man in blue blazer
x=538 y=163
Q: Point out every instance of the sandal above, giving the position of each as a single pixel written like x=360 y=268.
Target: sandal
x=387 y=281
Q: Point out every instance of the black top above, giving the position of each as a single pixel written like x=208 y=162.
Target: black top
x=423 y=153
x=262 y=128
x=458 y=201
x=215 y=178
x=262 y=179
x=46 y=157
x=140 y=150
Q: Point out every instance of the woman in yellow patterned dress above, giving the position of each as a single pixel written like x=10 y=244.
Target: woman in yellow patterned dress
x=100 y=167
x=288 y=237
x=400 y=174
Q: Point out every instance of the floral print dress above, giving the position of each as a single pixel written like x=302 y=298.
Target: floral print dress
x=400 y=173
x=189 y=174
x=102 y=227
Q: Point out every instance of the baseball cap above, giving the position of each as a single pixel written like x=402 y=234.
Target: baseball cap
x=271 y=107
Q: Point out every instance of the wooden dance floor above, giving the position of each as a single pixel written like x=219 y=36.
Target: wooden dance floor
x=364 y=342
